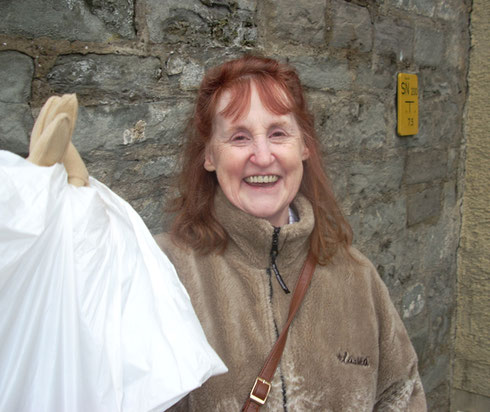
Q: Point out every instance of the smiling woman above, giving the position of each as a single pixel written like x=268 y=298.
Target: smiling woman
x=254 y=202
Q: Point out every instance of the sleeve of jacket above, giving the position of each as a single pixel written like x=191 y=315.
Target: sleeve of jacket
x=181 y=406
x=399 y=386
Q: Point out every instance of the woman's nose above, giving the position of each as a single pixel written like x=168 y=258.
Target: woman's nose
x=262 y=155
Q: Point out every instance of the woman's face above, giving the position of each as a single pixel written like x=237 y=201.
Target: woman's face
x=258 y=159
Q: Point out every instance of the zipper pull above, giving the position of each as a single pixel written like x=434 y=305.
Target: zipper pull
x=273 y=255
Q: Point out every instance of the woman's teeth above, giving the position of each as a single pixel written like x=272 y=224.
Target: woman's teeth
x=262 y=179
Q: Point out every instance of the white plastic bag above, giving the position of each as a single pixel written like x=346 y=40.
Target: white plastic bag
x=93 y=315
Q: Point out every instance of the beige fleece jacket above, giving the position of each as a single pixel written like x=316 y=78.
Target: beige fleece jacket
x=347 y=348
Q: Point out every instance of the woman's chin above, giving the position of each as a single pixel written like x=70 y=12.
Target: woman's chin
x=265 y=201
x=276 y=217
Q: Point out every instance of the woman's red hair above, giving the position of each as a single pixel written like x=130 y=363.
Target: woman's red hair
x=281 y=92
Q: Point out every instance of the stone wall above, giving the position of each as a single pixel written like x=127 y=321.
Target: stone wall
x=135 y=65
x=472 y=349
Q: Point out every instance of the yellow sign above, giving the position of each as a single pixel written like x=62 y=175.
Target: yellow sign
x=408 y=104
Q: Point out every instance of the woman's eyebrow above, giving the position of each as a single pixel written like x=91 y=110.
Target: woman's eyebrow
x=236 y=128
x=285 y=124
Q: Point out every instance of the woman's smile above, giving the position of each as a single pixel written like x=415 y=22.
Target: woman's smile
x=267 y=180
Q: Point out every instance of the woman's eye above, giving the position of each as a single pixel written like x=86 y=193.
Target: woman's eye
x=278 y=133
x=239 y=138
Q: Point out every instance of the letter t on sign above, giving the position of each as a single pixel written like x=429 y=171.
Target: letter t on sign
x=408 y=104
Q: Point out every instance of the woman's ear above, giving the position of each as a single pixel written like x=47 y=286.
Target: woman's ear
x=306 y=153
x=208 y=159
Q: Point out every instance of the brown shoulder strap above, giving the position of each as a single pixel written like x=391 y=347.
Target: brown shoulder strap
x=262 y=386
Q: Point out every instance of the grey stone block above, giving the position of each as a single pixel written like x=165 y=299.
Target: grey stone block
x=439 y=84
x=202 y=23
x=323 y=73
x=295 y=21
x=162 y=166
x=377 y=75
x=175 y=64
x=413 y=301
x=396 y=3
x=191 y=77
x=374 y=177
x=104 y=127
x=393 y=38
x=437 y=243
x=420 y=342
x=423 y=7
x=152 y=211
x=175 y=20
x=453 y=160
x=451 y=10
x=457 y=53
x=249 y=5
x=354 y=124
x=379 y=220
x=441 y=324
x=424 y=205
x=107 y=78
x=117 y=15
x=425 y=166
x=334 y=165
x=15 y=127
x=72 y=20
x=351 y=27
x=429 y=46
x=393 y=255
x=443 y=122
x=117 y=127
x=436 y=373
x=16 y=72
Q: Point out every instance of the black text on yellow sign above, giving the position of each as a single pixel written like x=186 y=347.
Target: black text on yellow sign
x=408 y=104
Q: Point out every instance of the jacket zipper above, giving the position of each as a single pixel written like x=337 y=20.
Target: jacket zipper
x=273 y=254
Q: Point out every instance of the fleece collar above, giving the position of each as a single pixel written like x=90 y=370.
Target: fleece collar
x=251 y=237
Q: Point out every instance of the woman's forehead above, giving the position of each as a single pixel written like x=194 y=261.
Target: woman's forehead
x=235 y=103
x=254 y=112
x=223 y=101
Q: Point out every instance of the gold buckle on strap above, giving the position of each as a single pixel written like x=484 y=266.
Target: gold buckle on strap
x=255 y=397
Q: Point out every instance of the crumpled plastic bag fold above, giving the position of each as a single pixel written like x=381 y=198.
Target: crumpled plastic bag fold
x=93 y=315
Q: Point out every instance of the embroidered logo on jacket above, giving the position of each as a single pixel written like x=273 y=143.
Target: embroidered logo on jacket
x=346 y=357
